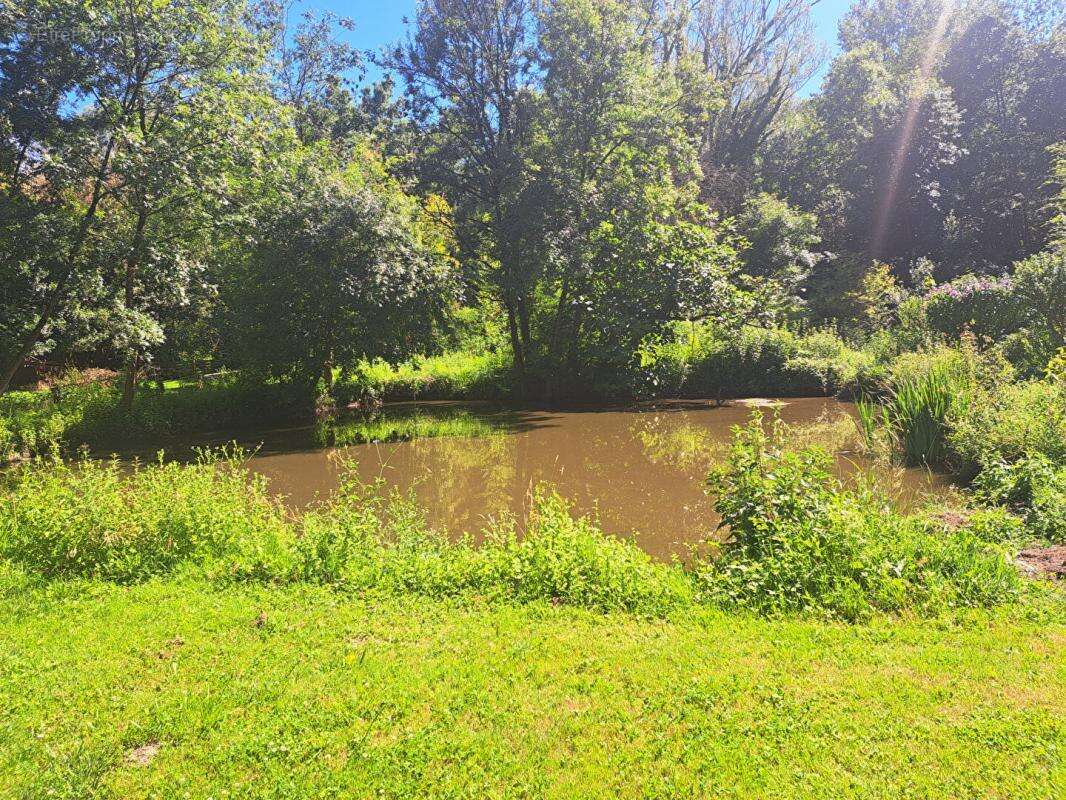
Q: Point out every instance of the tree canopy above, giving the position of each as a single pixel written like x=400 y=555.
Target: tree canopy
x=203 y=183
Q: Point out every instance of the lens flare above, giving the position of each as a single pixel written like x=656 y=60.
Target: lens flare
x=906 y=133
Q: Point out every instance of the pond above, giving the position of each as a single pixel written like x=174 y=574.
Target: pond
x=640 y=469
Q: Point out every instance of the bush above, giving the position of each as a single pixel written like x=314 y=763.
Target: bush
x=98 y=519
x=458 y=375
x=1034 y=486
x=987 y=306
x=800 y=542
x=1007 y=422
x=787 y=550
x=1041 y=282
x=839 y=368
x=698 y=360
x=31 y=422
x=362 y=541
x=95 y=519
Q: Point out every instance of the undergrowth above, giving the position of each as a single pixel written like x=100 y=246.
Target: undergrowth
x=797 y=541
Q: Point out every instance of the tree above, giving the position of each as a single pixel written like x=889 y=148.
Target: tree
x=140 y=91
x=468 y=67
x=1010 y=84
x=759 y=53
x=780 y=241
x=311 y=72
x=346 y=266
x=610 y=137
x=876 y=145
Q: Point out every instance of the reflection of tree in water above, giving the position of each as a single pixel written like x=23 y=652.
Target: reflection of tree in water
x=463 y=480
x=687 y=447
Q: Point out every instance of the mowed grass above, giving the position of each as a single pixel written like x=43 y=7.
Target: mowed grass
x=253 y=691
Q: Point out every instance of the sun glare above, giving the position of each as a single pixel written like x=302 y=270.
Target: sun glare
x=933 y=49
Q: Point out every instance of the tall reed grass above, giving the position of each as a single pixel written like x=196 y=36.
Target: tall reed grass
x=916 y=414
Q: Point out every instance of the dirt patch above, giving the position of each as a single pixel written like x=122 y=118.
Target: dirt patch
x=143 y=755
x=171 y=648
x=1044 y=561
x=952 y=520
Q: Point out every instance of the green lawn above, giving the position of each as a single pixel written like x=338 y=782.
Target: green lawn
x=307 y=692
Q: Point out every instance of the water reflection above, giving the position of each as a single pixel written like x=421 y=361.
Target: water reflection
x=640 y=470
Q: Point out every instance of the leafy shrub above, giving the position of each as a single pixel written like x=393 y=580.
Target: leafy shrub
x=800 y=542
x=449 y=376
x=97 y=519
x=1008 y=421
x=364 y=541
x=571 y=560
x=1041 y=283
x=987 y=306
x=1033 y=485
x=787 y=550
x=839 y=368
x=703 y=361
x=230 y=404
x=30 y=422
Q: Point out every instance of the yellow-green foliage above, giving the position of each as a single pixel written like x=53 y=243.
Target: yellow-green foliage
x=701 y=360
x=799 y=541
x=397 y=425
x=100 y=519
x=453 y=375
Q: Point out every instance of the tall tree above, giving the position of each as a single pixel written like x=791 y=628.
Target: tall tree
x=612 y=144
x=346 y=265
x=468 y=66
x=759 y=53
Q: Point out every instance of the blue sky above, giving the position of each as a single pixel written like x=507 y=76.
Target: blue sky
x=380 y=22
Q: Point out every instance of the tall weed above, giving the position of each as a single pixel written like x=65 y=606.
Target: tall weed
x=798 y=541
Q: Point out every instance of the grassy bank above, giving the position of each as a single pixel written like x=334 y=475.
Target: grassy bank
x=35 y=422
x=798 y=540
x=172 y=631
x=456 y=375
x=178 y=688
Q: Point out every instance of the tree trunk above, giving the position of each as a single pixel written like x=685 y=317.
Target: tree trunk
x=523 y=325
x=27 y=346
x=129 y=386
x=132 y=263
x=517 y=353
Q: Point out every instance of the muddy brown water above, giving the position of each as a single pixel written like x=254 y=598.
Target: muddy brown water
x=641 y=470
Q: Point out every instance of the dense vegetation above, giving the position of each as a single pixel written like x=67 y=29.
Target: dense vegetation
x=210 y=220
x=594 y=194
